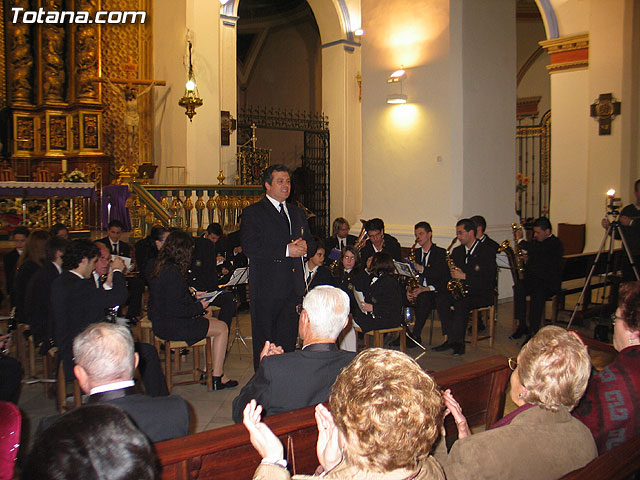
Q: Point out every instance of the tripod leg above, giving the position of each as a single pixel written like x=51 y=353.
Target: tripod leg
x=588 y=280
x=628 y=252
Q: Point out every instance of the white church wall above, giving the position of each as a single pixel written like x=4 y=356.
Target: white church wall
x=536 y=80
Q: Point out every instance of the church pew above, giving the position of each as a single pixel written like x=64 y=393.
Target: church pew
x=619 y=462
x=226 y=453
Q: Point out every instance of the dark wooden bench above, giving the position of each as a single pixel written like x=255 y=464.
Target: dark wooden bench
x=226 y=453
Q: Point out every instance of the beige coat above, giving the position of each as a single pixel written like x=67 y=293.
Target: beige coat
x=428 y=470
x=537 y=444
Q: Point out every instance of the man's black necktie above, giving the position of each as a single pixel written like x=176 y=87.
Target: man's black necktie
x=284 y=215
x=114 y=249
x=466 y=256
x=309 y=277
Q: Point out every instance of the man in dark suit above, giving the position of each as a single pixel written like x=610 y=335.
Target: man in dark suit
x=135 y=284
x=37 y=306
x=10 y=260
x=542 y=277
x=75 y=300
x=476 y=268
x=105 y=361
x=481 y=227
x=275 y=236
x=379 y=242
x=340 y=238
x=431 y=264
x=287 y=381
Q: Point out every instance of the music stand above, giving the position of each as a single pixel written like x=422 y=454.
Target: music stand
x=240 y=276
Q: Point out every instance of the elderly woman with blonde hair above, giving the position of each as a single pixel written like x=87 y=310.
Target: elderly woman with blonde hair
x=540 y=439
x=385 y=417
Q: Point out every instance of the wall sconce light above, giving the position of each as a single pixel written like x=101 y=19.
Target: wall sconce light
x=191 y=98
x=358 y=32
x=397 y=76
x=223 y=2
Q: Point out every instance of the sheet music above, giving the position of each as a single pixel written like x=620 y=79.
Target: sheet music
x=359 y=296
x=238 y=277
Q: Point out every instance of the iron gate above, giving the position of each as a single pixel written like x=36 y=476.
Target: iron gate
x=310 y=181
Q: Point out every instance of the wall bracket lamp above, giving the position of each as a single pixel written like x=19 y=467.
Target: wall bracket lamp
x=191 y=98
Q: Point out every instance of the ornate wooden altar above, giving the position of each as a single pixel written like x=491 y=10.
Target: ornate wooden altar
x=43 y=204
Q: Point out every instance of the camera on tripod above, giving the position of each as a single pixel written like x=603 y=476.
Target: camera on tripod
x=613 y=203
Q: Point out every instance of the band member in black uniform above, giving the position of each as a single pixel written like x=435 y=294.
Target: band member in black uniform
x=481 y=227
x=383 y=297
x=542 y=277
x=350 y=274
x=431 y=264
x=340 y=238
x=315 y=272
x=379 y=242
x=475 y=266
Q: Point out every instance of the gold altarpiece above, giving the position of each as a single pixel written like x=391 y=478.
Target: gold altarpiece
x=58 y=115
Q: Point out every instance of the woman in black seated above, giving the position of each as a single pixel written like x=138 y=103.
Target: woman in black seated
x=31 y=260
x=175 y=313
x=148 y=248
x=383 y=298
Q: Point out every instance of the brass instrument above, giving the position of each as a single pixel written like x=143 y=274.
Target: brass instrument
x=362 y=237
x=519 y=256
x=413 y=281
x=455 y=285
x=511 y=256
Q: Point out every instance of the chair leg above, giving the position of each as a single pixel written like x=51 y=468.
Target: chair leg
x=492 y=324
x=209 y=363
x=433 y=318
x=77 y=394
x=403 y=340
x=378 y=339
x=554 y=309
x=196 y=363
x=32 y=356
x=167 y=365
x=474 y=328
x=60 y=390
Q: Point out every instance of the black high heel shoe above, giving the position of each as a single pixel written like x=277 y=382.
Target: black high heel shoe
x=218 y=385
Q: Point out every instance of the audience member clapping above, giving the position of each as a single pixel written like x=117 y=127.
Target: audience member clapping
x=540 y=439
x=609 y=407
x=386 y=412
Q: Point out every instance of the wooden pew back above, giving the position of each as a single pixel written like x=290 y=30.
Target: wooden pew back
x=619 y=462
x=226 y=453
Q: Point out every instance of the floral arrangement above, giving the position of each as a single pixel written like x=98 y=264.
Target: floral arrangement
x=76 y=176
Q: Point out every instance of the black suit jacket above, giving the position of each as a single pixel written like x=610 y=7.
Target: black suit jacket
x=332 y=242
x=37 y=305
x=387 y=298
x=203 y=274
x=265 y=236
x=10 y=261
x=20 y=282
x=123 y=247
x=436 y=272
x=159 y=418
x=76 y=303
x=391 y=246
x=487 y=241
x=321 y=277
x=544 y=262
x=293 y=380
x=480 y=270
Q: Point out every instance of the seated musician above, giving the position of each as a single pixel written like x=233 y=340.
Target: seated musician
x=340 y=238
x=431 y=264
x=610 y=405
x=135 y=283
x=475 y=266
x=540 y=440
x=481 y=228
x=379 y=242
x=315 y=271
x=349 y=275
x=542 y=277
x=382 y=306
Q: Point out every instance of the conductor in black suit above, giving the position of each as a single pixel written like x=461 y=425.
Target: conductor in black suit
x=542 y=277
x=105 y=362
x=431 y=264
x=340 y=238
x=476 y=267
x=275 y=236
x=287 y=381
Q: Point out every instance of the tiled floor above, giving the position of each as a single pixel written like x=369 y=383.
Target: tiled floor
x=213 y=409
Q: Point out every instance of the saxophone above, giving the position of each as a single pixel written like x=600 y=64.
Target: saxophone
x=413 y=281
x=511 y=256
x=455 y=285
x=519 y=256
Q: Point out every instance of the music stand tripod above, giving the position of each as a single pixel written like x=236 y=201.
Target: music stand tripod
x=613 y=230
x=240 y=277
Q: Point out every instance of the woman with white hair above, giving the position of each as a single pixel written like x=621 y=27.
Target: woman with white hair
x=540 y=439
